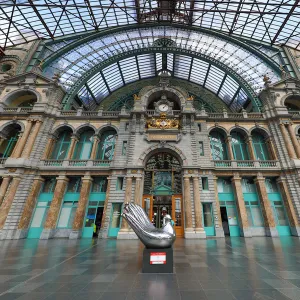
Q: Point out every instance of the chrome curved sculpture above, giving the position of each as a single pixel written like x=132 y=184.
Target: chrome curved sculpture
x=149 y=235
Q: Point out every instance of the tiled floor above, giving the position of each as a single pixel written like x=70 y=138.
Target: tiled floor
x=221 y=269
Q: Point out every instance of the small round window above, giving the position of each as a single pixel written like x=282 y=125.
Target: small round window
x=6 y=67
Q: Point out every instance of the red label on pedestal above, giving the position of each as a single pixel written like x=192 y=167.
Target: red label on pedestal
x=158 y=258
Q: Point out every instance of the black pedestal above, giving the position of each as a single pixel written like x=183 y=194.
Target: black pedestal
x=158 y=260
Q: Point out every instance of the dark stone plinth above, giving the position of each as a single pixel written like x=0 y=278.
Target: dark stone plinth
x=148 y=257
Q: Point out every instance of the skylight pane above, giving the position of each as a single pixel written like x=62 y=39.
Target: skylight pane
x=214 y=79
x=182 y=66
x=113 y=77
x=199 y=70
x=129 y=69
x=146 y=65
x=229 y=88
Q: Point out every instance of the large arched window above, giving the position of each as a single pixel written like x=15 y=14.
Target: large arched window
x=106 y=147
x=260 y=147
x=218 y=145
x=8 y=145
x=239 y=146
x=62 y=145
x=84 y=145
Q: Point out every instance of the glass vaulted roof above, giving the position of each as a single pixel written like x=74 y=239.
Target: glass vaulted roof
x=273 y=22
x=217 y=64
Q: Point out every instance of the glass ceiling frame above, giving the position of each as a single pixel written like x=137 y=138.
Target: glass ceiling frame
x=78 y=61
x=275 y=22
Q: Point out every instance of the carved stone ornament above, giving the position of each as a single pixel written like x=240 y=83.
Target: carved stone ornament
x=163 y=122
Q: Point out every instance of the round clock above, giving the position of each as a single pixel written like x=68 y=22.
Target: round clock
x=163 y=107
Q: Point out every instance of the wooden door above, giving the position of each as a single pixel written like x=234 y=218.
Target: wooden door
x=177 y=215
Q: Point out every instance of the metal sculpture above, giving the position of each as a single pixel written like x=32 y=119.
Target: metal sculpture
x=150 y=236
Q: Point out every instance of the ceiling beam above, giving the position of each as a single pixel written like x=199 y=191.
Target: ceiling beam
x=296 y=4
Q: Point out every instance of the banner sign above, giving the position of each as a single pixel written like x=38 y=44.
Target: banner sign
x=158 y=258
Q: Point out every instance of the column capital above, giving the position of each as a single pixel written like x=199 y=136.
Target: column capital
x=75 y=137
x=39 y=178
x=87 y=178
x=62 y=178
x=236 y=177
x=259 y=177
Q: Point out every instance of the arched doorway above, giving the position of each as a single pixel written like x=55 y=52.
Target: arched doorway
x=163 y=190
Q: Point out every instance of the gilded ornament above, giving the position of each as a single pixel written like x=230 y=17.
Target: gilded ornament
x=163 y=122
x=136 y=97
x=191 y=98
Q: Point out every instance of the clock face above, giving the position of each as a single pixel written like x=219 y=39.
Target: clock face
x=163 y=107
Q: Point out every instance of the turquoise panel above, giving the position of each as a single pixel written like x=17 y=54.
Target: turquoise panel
x=87 y=232
x=210 y=231
x=71 y=196
x=250 y=197
x=45 y=197
x=234 y=230
x=113 y=232
x=34 y=232
x=274 y=196
x=284 y=230
x=97 y=196
x=226 y=197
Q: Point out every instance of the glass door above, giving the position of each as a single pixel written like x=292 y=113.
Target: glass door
x=208 y=219
x=115 y=220
x=177 y=214
x=93 y=219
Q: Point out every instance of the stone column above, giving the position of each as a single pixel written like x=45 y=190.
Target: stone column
x=218 y=227
x=82 y=203
x=49 y=147
x=251 y=149
x=3 y=187
x=288 y=203
x=29 y=145
x=294 y=140
x=30 y=204
x=74 y=140
x=51 y=220
x=271 y=148
x=103 y=221
x=229 y=147
x=7 y=202
x=94 y=148
x=124 y=225
x=188 y=231
x=22 y=140
x=287 y=142
x=265 y=204
x=237 y=184
x=137 y=193
x=198 y=209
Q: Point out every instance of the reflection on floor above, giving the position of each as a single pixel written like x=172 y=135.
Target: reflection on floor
x=226 y=269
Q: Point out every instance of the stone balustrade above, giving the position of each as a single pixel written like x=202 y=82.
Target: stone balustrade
x=73 y=163
x=244 y=164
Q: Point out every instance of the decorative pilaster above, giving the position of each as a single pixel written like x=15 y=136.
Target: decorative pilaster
x=81 y=208
x=95 y=147
x=287 y=142
x=198 y=209
x=187 y=206
x=218 y=227
x=137 y=193
x=127 y=198
x=103 y=221
x=51 y=220
x=294 y=140
x=251 y=149
x=74 y=140
x=288 y=203
x=6 y=205
x=229 y=147
x=49 y=147
x=271 y=148
x=31 y=139
x=270 y=225
x=3 y=187
x=30 y=203
x=244 y=226
x=22 y=140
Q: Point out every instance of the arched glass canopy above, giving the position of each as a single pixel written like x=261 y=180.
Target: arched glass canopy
x=273 y=22
x=101 y=65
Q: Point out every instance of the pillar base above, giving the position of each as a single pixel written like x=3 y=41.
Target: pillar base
x=127 y=235
x=13 y=234
x=220 y=232
x=194 y=234
x=246 y=232
x=295 y=231
x=47 y=234
x=75 y=234
x=21 y=234
x=272 y=231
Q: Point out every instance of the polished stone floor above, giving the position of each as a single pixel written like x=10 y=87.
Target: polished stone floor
x=226 y=269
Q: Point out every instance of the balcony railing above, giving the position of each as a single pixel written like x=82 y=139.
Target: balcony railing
x=246 y=163
x=74 y=163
